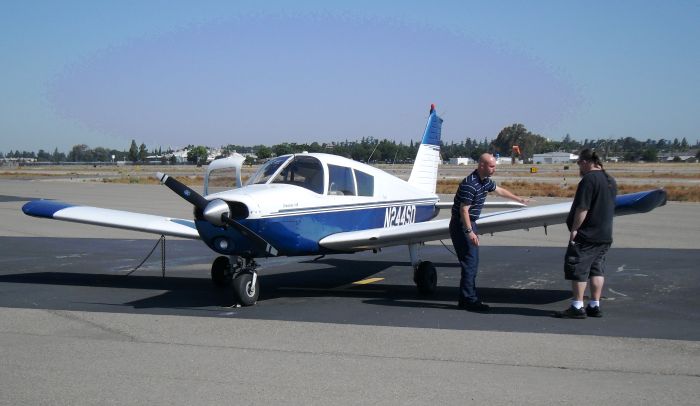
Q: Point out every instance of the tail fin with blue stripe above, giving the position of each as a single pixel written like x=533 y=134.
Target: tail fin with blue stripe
x=425 y=168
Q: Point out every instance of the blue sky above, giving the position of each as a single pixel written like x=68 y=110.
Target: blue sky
x=171 y=73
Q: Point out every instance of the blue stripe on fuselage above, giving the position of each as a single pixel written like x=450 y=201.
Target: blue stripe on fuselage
x=44 y=208
x=299 y=234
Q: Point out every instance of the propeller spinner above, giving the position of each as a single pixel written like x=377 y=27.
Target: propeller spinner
x=216 y=212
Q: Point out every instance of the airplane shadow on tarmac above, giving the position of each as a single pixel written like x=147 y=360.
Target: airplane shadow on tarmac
x=331 y=278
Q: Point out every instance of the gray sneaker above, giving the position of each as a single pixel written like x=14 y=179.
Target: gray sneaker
x=571 y=313
x=593 y=311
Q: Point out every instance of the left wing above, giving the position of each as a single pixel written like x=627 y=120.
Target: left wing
x=518 y=219
x=112 y=218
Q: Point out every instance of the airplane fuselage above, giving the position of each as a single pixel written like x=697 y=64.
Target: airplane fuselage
x=293 y=217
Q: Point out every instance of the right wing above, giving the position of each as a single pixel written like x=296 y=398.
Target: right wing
x=518 y=219
x=112 y=218
x=487 y=205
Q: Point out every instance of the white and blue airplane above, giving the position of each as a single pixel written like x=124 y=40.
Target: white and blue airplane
x=318 y=204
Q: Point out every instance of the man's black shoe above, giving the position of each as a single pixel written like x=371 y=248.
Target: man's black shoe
x=477 y=306
x=571 y=313
x=593 y=311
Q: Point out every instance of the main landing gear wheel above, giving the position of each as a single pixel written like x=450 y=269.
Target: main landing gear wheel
x=425 y=278
x=221 y=272
x=247 y=287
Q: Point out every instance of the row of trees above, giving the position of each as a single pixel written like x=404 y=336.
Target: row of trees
x=370 y=149
x=627 y=148
x=83 y=153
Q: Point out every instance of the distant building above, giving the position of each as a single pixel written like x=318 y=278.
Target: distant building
x=501 y=160
x=180 y=156
x=554 y=158
x=461 y=161
x=686 y=156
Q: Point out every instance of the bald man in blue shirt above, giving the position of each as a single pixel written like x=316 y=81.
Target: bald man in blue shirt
x=466 y=209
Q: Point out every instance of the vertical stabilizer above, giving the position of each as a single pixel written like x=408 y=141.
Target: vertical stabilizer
x=425 y=168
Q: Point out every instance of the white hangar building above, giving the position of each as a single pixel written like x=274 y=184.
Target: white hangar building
x=554 y=158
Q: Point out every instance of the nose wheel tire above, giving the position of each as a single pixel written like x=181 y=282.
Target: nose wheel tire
x=221 y=272
x=425 y=278
x=247 y=288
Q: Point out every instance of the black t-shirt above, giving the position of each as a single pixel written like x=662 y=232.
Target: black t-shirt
x=596 y=193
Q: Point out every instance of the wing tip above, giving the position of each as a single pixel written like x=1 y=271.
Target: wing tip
x=44 y=208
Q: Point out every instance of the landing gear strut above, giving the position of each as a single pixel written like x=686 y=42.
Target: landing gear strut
x=241 y=274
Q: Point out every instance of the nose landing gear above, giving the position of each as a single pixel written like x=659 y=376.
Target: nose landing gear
x=241 y=273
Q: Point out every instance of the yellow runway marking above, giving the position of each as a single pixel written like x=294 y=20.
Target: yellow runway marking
x=367 y=281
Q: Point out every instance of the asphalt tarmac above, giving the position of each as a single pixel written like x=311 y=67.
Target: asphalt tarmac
x=74 y=329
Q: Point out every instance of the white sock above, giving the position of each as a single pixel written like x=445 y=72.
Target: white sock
x=594 y=303
x=577 y=304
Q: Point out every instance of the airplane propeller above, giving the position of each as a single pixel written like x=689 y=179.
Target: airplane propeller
x=216 y=212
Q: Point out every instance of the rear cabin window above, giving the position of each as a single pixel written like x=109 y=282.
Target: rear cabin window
x=303 y=171
x=340 y=181
x=365 y=183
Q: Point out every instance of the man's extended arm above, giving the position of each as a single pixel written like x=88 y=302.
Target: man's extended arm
x=503 y=192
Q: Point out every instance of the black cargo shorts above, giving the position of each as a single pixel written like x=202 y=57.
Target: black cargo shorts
x=584 y=260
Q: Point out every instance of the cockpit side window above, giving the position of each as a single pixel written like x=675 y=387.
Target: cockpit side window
x=340 y=181
x=303 y=171
x=365 y=183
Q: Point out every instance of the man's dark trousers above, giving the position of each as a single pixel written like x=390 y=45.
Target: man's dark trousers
x=468 y=256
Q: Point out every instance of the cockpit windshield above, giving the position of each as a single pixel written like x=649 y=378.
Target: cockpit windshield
x=303 y=171
x=264 y=173
x=299 y=170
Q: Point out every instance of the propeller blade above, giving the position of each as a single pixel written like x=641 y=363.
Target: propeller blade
x=257 y=240
x=186 y=193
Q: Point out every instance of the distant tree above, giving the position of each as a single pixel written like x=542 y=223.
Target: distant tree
x=358 y=152
x=517 y=134
x=58 y=156
x=684 y=144
x=315 y=147
x=567 y=143
x=198 y=154
x=133 y=152
x=630 y=157
x=662 y=145
x=43 y=156
x=282 y=149
x=649 y=155
x=676 y=145
x=143 y=152
x=79 y=153
x=263 y=152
